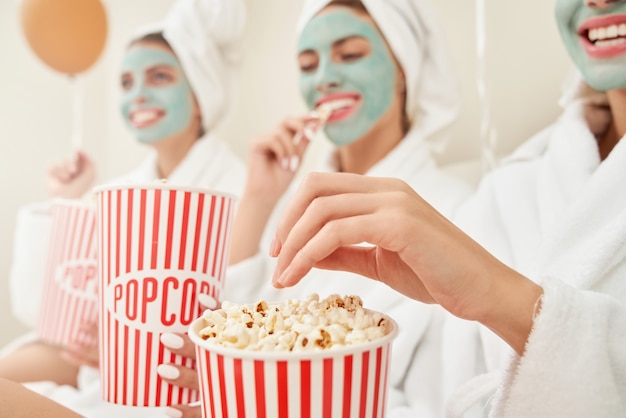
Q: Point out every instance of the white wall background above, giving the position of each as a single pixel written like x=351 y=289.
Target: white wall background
x=525 y=63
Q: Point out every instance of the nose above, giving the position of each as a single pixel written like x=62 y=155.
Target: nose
x=328 y=76
x=139 y=99
x=601 y=4
x=139 y=92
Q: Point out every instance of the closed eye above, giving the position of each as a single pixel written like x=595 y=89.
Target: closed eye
x=352 y=57
x=308 y=61
x=126 y=82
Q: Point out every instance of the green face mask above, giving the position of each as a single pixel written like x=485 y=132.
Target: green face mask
x=591 y=36
x=371 y=79
x=153 y=106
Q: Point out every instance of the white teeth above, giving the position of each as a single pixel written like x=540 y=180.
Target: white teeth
x=608 y=32
x=142 y=116
x=332 y=106
x=611 y=42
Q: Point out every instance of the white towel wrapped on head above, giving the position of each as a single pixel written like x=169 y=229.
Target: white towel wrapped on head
x=412 y=30
x=204 y=34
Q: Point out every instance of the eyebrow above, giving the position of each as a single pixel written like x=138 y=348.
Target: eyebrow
x=337 y=43
x=342 y=41
x=161 y=67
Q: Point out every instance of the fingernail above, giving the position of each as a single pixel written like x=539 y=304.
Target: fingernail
x=275 y=247
x=280 y=278
x=168 y=372
x=310 y=131
x=207 y=301
x=284 y=163
x=172 y=340
x=283 y=278
x=173 y=413
x=294 y=162
x=275 y=281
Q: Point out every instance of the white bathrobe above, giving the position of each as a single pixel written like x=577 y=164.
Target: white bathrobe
x=557 y=214
x=210 y=164
x=249 y=280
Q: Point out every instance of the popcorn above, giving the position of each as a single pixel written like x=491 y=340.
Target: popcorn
x=295 y=325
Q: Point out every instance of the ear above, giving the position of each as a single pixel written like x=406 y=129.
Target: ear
x=197 y=116
x=196 y=106
x=401 y=82
x=197 y=112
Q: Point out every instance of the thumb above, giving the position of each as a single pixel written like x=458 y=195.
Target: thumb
x=74 y=163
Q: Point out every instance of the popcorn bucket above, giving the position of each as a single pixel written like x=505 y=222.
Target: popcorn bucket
x=160 y=247
x=70 y=296
x=342 y=382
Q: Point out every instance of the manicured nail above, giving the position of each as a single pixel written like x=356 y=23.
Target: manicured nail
x=173 y=413
x=168 y=372
x=207 y=301
x=284 y=278
x=294 y=162
x=275 y=276
x=275 y=247
x=310 y=131
x=172 y=340
x=279 y=280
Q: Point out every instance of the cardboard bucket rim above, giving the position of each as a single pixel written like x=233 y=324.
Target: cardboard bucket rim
x=163 y=186
x=81 y=203
x=244 y=354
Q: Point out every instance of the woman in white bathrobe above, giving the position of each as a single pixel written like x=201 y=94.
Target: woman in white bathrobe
x=175 y=90
x=540 y=304
x=385 y=64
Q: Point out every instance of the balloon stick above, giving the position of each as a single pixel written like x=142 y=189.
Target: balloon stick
x=77 y=112
x=487 y=132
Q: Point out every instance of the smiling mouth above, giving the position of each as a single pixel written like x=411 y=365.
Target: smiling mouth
x=605 y=36
x=145 y=117
x=334 y=109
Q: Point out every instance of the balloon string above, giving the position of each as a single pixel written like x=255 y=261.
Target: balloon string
x=77 y=113
x=487 y=132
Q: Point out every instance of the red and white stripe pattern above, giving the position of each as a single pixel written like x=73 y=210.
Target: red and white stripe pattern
x=70 y=296
x=344 y=386
x=159 y=247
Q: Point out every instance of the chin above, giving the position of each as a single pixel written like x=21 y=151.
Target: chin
x=605 y=80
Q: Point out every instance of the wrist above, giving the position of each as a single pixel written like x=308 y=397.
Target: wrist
x=515 y=301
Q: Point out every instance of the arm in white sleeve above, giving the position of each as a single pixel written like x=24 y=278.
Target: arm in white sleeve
x=415 y=384
x=575 y=360
x=419 y=392
x=250 y=280
x=30 y=253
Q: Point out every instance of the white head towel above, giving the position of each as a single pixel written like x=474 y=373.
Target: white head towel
x=412 y=30
x=204 y=36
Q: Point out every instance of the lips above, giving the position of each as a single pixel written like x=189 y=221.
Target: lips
x=604 y=36
x=143 y=118
x=339 y=106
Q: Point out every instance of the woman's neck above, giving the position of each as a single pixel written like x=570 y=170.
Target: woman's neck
x=171 y=151
x=360 y=156
x=617 y=100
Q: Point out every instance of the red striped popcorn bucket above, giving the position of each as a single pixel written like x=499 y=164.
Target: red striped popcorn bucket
x=343 y=382
x=160 y=247
x=70 y=296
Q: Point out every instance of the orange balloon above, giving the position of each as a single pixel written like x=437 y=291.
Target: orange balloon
x=68 y=35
